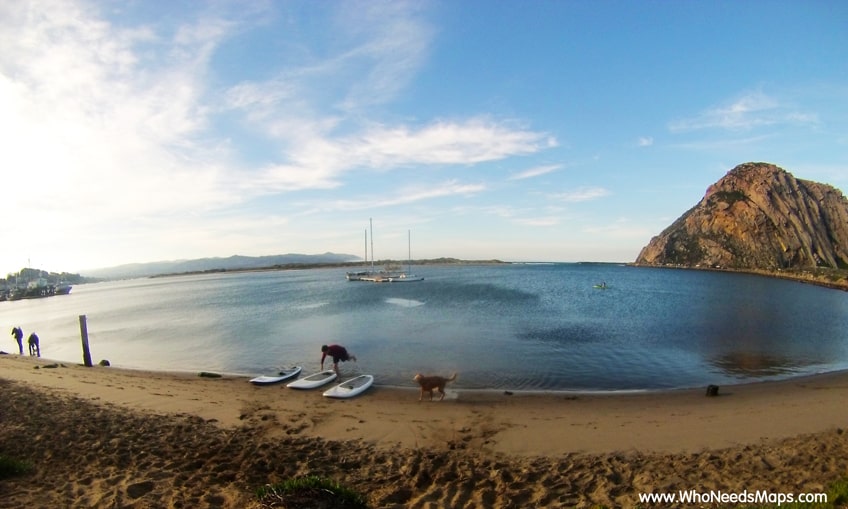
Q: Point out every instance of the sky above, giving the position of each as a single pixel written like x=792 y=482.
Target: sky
x=136 y=131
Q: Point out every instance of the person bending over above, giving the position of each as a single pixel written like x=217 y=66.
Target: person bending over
x=34 y=348
x=338 y=353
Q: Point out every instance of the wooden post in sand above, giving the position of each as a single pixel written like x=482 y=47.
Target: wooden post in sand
x=86 y=353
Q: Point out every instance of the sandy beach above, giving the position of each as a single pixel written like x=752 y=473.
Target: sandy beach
x=108 y=437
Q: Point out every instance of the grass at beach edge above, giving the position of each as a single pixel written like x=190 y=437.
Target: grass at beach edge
x=11 y=467
x=309 y=492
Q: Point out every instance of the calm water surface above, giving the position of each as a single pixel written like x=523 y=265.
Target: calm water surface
x=517 y=327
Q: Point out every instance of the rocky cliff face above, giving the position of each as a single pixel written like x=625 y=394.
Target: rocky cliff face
x=758 y=216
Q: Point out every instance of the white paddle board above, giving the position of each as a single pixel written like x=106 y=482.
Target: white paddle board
x=284 y=374
x=314 y=380
x=350 y=388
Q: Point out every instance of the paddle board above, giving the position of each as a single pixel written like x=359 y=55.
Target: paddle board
x=350 y=388
x=314 y=380
x=284 y=374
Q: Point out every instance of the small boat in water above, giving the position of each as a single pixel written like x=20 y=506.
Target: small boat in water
x=391 y=274
x=37 y=290
x=405 y=278
x=365 y=275
x=379 y=276
x=357 y=276
x=62 y=289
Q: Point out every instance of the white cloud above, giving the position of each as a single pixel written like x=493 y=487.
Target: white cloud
x=645 y=141
x=320 y=162
x=83 y=114
x=103 y=139
x=117 y=132
x=535 y=172
x=403 y=196
x=389 y=40
x=319 y=111
x=581 y=194
x=749 y=111
x=374 y=51
x=472 y=141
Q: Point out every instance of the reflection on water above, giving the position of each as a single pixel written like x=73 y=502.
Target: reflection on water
x=758 y=327
x=407 y=303
x=521 y=327
x=565 y=335
x=754 y=364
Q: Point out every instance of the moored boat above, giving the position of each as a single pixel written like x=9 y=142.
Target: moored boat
x=392 y=273
x=357 y=276
x=405 y=278
x=62 y=289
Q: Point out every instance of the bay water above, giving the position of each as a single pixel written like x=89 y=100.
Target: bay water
x=523 y=327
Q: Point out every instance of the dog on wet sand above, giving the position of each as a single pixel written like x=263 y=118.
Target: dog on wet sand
x=431 y=383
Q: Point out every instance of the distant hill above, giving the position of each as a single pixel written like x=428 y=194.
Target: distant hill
x=757 y=217
x=235 y=262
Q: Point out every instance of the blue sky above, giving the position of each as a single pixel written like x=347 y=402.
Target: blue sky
x=134 y=131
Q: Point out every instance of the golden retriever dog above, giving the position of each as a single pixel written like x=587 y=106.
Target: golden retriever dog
x=431 y=383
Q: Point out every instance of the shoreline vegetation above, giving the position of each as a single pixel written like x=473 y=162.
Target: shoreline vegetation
x=110 y=437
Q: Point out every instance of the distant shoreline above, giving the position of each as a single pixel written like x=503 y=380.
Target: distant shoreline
x=351 y=265
x=836 y=279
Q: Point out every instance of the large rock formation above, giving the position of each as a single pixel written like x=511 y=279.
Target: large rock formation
x=758 y=216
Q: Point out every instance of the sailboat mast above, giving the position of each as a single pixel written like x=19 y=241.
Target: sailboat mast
x=371 y=225
x=409 y=247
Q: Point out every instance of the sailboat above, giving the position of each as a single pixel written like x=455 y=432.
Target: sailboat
x=393 y=275
x=361 y=275
x=408 y=276
x=372 y=275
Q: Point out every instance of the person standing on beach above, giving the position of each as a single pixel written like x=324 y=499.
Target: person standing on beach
x=338 y=353
x=19 y=337
x=34 y=349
